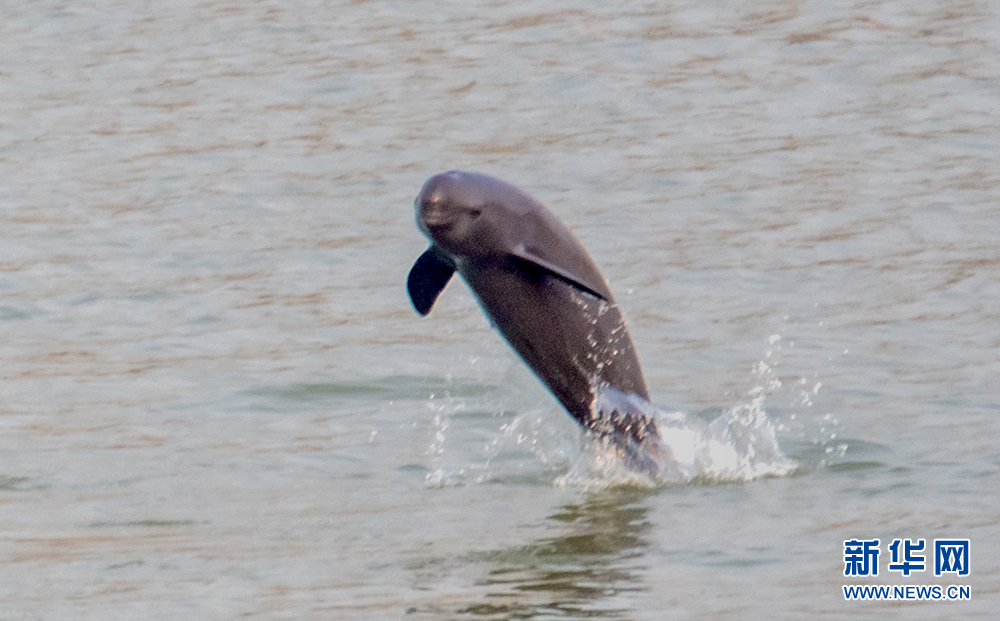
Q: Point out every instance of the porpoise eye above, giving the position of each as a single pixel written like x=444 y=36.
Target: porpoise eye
x=475 y=213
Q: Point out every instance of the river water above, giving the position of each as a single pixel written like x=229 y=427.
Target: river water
x=216 y=401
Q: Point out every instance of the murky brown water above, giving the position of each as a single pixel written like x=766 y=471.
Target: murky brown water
x=216 y=401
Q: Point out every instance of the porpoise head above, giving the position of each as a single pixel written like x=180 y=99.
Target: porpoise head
x=469 y=214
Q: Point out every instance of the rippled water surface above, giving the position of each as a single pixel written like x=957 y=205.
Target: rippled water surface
x=216 y=401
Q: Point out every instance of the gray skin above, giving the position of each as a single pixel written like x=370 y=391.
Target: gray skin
x=540 y=289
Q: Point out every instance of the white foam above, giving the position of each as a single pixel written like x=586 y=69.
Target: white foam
x=738 y=446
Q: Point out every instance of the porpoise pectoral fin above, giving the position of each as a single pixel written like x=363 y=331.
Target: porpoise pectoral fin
x=427 y=278
x=598 y=289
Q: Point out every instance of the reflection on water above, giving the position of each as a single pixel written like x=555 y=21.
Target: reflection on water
x=582 y=573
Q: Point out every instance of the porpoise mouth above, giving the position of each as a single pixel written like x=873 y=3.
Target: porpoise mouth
x=433 y=214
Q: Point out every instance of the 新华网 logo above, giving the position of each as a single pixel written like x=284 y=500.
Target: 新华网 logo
x=951 y=556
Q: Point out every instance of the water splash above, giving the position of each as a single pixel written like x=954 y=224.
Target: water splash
x=438 y=476
x=795 y=400
x=738 y=446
